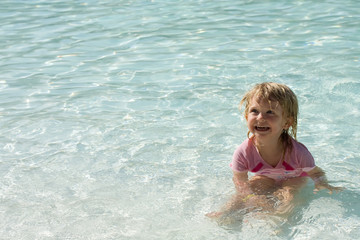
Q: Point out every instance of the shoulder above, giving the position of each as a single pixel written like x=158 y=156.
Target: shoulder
x=245 y=152
x=302 y=154
x=244 y=147
x=299 y=147
x=242 y=156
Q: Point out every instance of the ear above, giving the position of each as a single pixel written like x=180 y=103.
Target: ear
x=288 y=123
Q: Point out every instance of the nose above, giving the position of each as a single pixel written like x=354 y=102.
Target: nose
x=261 y=116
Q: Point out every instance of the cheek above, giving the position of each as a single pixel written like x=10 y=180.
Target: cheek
x=249 y=119
x=249 y=122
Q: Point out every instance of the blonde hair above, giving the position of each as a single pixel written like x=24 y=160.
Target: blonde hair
x=282 y=94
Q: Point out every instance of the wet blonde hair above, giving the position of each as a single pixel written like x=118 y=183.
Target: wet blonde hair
x=283 y=95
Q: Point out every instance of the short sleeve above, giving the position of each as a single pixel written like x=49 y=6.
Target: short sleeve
x=239 y=162
x=306 y=160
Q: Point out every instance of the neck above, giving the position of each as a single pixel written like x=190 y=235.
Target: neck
x=269 y=144
x=270 y=151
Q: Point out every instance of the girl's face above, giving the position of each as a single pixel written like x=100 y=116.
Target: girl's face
x=266 y=121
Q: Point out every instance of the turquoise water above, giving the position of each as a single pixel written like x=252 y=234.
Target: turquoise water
x=119 y=118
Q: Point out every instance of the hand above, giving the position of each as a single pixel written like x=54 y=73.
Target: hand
x=319 y=178
x=214 y=215
x=324 y=185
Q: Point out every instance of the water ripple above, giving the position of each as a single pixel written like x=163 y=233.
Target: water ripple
x=116 y=114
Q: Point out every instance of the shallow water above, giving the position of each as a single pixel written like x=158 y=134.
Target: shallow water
x=119 y=118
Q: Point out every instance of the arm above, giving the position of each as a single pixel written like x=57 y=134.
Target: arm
x=240 y=180
x=319 y=178
x=242 y=188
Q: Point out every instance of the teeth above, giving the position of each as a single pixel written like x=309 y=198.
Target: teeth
x=262 y=128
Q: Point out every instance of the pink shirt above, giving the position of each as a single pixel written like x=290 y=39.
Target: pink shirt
x=297 y=162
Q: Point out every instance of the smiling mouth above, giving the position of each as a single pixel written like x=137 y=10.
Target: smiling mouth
x=262 y=129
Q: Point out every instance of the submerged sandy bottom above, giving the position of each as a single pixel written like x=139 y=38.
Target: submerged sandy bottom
x=119 y=119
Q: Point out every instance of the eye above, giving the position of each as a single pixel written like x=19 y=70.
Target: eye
x=253 y=110
x=270 y=112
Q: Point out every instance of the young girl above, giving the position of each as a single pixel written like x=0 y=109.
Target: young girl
x=281 y=164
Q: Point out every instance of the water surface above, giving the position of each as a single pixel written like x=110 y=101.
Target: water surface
x=119 y=118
